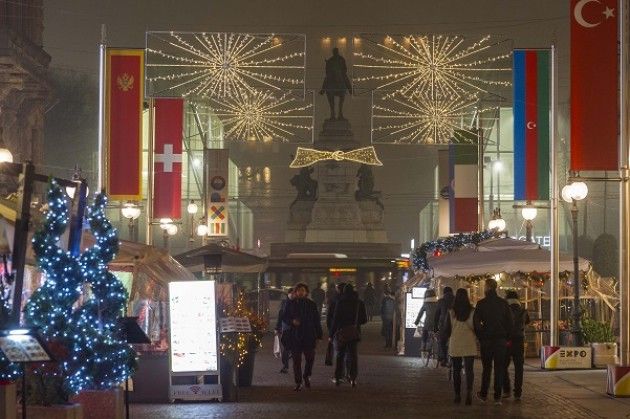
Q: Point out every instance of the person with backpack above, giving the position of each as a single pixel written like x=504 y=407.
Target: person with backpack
x=462 y=344
x=346 y=333
x=516 y=346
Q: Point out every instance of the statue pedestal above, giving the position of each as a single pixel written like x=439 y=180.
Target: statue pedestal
x=300 y=214
x=337 y=216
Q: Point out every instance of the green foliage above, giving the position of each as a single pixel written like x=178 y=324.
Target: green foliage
x=597 y=332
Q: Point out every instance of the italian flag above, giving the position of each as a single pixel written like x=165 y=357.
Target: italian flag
x=463 y=198
x=531 y=124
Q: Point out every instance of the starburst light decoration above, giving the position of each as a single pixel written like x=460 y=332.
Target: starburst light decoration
x=428 y=87
x=417 y=119
x=222 y=64
x=264 y=116
x=438 y=66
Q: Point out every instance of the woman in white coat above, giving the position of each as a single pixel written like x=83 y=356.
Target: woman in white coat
x=462 y=346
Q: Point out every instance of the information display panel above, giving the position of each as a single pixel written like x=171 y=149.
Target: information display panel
x=193 y=327
x=414 y=302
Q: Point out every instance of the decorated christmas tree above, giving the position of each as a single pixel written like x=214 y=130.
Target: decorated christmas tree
x=76 y=307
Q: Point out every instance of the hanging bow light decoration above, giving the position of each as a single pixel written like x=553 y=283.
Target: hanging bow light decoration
x=307 y=156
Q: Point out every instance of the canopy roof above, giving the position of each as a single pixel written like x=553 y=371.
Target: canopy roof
x=224 y=259
x=500 y=255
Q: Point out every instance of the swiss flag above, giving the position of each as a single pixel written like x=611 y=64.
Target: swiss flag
x=167 y=163
x=594 y=85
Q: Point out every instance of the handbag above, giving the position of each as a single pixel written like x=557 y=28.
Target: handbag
x=329 y=354
x=349 y=333
x=276 y=346
x=418 y=332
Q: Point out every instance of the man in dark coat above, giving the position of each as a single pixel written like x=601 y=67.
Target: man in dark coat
x=281 y=328
x=318 y=295
x=493 y=327
x=444 y=304
x=516 y=346
x=388 y=310
x=349 y=311
x=306 y=329
x=331 y=305
x=369 y=299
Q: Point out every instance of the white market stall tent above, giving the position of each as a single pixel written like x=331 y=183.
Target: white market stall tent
x=499 y=255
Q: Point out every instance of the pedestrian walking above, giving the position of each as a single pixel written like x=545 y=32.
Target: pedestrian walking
x=444 y=304
x=346 y=333
x=319 y=295
x=493 y=326
x=331 y=304
x=462 y=344
x=428 y=310
x=306 y=329
x=388 y=310
x=281 y=328
x=516 y=346
x=369 y=299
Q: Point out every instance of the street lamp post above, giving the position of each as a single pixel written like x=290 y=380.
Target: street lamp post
x=572 y=193
x=131 y=212
x=169 y=228
x=192 y=210
x=497 y=222
x=529 y=213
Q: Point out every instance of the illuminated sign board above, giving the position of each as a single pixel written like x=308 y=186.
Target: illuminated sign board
x=414 y=300
x=342 y=270
x=193 y=326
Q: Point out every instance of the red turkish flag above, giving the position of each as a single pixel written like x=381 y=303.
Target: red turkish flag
x=167 y=163
x=594 y=85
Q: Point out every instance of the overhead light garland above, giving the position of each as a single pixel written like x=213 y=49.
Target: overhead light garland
x=222 y=64
x=417 y=119
x=264 y=116
x=441 y=246
x=441 y=66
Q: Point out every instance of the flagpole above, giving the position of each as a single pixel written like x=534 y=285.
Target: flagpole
x=150 y=173
x=555 y=242
x=624 y=189
x=101 y=109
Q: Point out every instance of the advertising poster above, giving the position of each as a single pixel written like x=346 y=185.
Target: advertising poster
x=415 y=299
x=193 y=326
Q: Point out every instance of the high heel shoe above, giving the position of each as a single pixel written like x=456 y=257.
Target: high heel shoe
x=353 y=383
x=298 y=387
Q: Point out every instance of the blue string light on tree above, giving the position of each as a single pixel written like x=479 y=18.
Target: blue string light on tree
x=91 y=353
x=446 y=245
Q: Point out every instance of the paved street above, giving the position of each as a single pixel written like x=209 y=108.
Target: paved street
x=392 y=386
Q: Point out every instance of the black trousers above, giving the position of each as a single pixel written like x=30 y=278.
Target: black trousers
x=284 y=356
x=516 y=354
x=442 y=347
x=347 y=358
x=468 y=363
x=309 y=357
x=388 y=332
x=493 y=351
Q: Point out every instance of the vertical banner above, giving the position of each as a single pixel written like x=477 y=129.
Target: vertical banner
x=532 y=112
x=124 y=96
x=167 y=162
x=594 y=85
x=463 y=175
x=217 y=170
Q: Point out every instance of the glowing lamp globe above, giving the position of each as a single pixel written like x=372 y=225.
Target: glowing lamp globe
x=165 y=223
x=567 y=193
x=498 y=224
x=192 y=208
x=5 y=155
x=579 y=190
x=171 y=230
x=529 y=213
x=202 y=230
x=130 y=211
x=71 y=189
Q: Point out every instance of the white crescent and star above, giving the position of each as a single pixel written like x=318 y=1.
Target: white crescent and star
x=579 y=17
x=531 y=125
